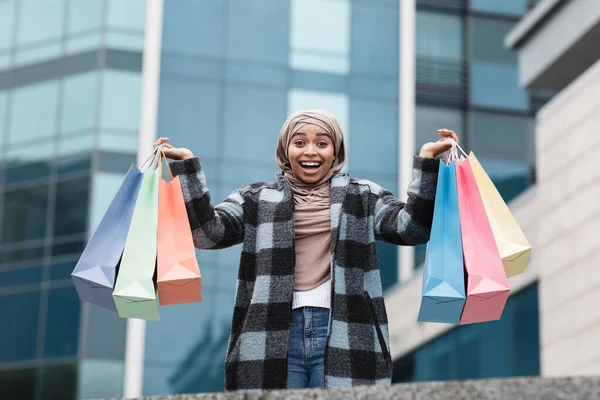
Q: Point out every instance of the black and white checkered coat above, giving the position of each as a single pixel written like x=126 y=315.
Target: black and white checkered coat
x=261 y=217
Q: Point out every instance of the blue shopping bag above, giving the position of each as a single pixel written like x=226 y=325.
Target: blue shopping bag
x=95 y=272
x=443 y=295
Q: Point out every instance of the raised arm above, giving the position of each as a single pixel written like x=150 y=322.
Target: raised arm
x=213 y=227
x=407 y=223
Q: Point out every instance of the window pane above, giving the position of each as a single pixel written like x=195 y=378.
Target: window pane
x=127 y=14
x=515 y=7
x=40 y=20
x=121 y=100
x=85 y=15
x=501 y=136
x=7 y=17
x=269 y=43
x=188 y=23
x=259 y=114
x=102 y=378
x=62 y=325
x=429 y=119
x=326 y=48
x=71 y=207
x=21 y=276
x=24 y=214
x=38 y=53
x=81 y=143
x=39 y=100
x=189 y=115
x=487 y=38
x=14 y=256
x=18 y=384
x=501 y=91
x=59 y=382
x=127 y=41
x=69 y=165
x=439 y=36
x=62 y=270
x=69 y=248
x=3 y=105
x=79 y=102
x=19 y=170
x=374 y=44
x=20 y=313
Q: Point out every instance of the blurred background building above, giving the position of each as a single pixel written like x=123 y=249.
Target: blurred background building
x=75 y=79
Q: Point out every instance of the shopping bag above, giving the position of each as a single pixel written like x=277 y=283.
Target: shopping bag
x=512 y=244
x=443 y=293
x=95 y=272
x=487 y=285
x=178 y=274
x=135 y=292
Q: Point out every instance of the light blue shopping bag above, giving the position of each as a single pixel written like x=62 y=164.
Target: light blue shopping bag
x=443 y=276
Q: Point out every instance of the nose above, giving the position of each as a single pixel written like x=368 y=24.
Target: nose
x=310 y=149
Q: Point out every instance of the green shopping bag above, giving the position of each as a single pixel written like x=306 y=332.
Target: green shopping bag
x=135 y=291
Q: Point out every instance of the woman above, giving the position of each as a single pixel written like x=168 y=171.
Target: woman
x=309 y=308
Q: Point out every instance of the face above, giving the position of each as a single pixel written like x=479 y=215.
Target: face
x=311 y=153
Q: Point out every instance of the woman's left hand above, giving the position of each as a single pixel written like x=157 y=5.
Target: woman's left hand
x=432 y=149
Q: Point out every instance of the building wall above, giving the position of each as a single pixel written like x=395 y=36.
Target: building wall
x=565 y=220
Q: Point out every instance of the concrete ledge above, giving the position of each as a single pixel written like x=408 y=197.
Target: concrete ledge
x=571 y=388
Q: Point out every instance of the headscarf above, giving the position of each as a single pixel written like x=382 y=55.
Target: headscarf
x=310 y=192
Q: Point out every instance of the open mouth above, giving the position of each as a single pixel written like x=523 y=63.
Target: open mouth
x=310 y=165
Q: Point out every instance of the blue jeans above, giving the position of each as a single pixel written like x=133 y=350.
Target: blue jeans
x=306 y=355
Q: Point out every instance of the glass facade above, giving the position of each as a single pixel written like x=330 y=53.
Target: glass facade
x=69 y=98
x=508 y=347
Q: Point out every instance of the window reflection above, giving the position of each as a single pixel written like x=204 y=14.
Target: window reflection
x=62 y=323
x=21 y=276
x=488 y=40
x=24 y=214
x=39 y=100
x=515 y=7
x=18 y=384
x=80 y=95
x=40 y=20
x=70 y=212
x=7 y=18
x=326 y=48
x=20 y=313
x=85 y=15
x=130 y=14
x=121 y=100
x=258 y=31
x=496 y=85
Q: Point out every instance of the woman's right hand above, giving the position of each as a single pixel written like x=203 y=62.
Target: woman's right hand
x=171 y=152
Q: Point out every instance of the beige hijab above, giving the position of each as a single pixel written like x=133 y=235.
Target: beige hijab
x=312 y=217
x=306 y=192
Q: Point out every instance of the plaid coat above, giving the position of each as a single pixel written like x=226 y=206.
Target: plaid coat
x=261 y=217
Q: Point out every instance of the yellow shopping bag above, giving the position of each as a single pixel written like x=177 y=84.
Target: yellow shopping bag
x=512 y=245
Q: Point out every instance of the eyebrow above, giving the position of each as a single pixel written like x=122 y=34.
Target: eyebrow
x=304 y=134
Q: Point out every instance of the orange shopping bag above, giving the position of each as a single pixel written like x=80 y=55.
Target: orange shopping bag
x=487 y=285
x=178 y=275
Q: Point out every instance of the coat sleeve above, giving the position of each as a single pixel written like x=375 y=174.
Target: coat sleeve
x=407 y=223
x=213 y=227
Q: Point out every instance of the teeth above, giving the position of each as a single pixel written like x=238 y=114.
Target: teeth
x=311 y=164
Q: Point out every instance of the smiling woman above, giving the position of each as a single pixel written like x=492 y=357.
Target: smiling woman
x=309 y=309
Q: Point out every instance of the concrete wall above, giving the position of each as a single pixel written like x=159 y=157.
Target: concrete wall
x=501 y=389
x=561 y=219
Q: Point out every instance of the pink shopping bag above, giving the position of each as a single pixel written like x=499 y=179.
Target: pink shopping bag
x=487 y=285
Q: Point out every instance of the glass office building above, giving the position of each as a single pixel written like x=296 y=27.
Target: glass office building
x=231 y=72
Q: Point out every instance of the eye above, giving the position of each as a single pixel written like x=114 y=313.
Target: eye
x=322 y=144
x=298 y=143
